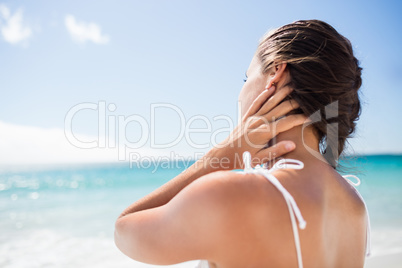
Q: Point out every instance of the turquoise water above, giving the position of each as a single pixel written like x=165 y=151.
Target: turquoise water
x=381 y=186
x=64 y=217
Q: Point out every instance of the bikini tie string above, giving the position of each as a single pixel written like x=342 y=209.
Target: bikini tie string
x=281 y=164
x=292 y=206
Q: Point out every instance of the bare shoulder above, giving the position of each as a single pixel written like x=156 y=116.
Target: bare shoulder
x=352 y=196
x=252 y=210
x=237 y=201
x=242 y=190
x=320 y=185
x=200 y=222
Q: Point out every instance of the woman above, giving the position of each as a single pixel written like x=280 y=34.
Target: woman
x=241 y=219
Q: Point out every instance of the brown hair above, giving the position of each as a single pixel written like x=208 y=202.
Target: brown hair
x=325 y=77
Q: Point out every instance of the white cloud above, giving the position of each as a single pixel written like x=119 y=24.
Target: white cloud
x=82 y=32
x=25 y=145
x=11 y=26
x=33 y=145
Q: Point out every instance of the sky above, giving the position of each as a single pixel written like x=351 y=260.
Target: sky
x=88 y=81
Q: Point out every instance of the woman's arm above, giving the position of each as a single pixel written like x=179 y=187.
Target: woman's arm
x=166 y=192
x=149 y=215
x=257 y=128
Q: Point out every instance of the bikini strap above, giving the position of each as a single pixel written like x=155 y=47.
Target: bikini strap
x=281 y=164
x=291 y=203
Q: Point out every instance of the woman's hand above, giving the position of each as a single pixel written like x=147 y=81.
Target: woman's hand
x=150 y=218
x=263 y=121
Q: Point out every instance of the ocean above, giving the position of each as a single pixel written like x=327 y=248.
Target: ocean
x=63 y=216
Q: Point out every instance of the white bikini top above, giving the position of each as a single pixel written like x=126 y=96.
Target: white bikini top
x=292 y=206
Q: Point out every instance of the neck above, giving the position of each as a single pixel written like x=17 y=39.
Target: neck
x=307 y=145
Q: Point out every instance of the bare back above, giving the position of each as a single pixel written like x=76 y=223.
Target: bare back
x=335 y=234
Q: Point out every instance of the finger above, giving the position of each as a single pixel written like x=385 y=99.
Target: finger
x=256 y=139
x=278 y=112
x=274 y=100
x=261 y=137
x=289 y=122
x=255 y=122
x=278 y=150
x=259 y=101
x=265 y=131
x=281 y=110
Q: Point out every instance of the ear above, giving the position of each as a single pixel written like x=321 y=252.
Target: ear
x=277 y=74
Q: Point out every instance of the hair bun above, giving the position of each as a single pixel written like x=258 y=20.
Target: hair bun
x=323 y=70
